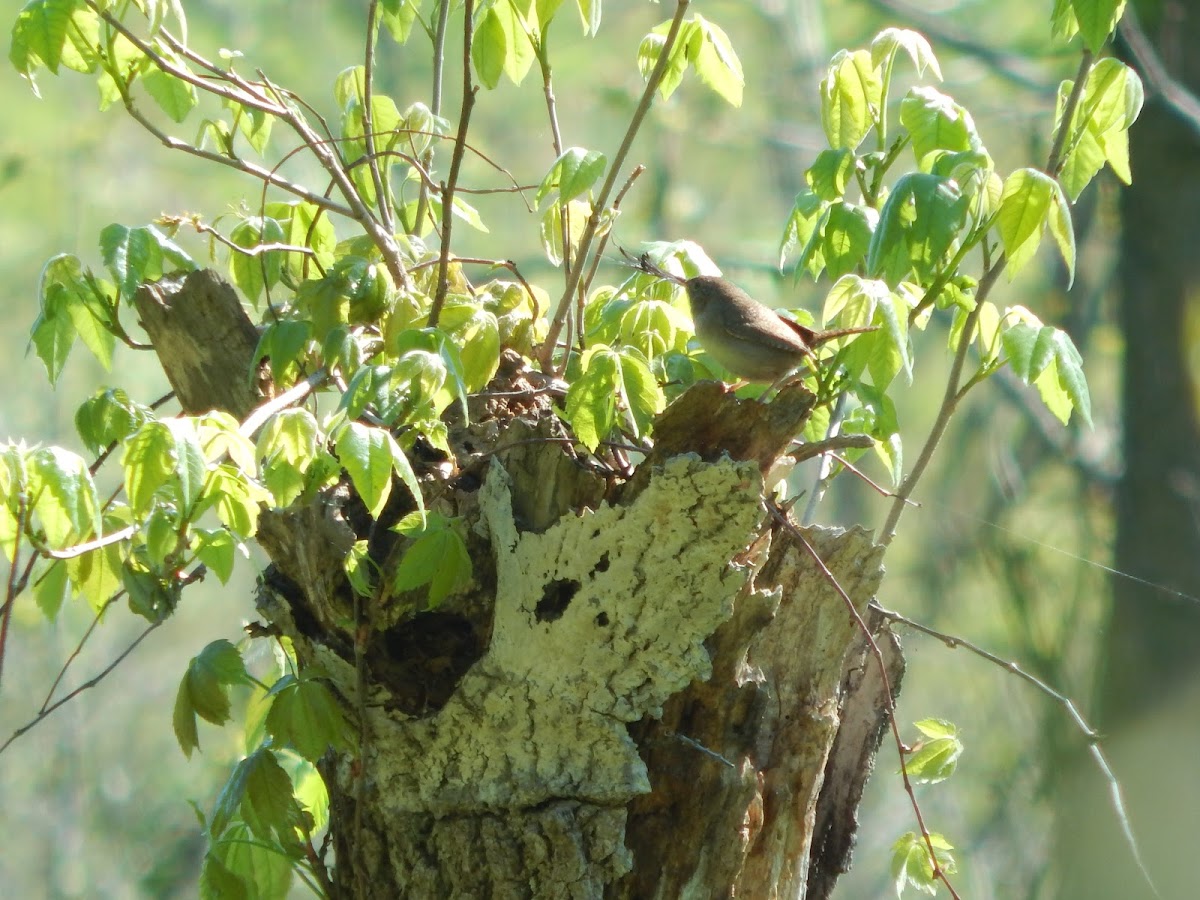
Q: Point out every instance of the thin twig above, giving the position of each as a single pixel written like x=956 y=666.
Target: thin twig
x=1091 y=735
x=564 y=220
x=233 y=162
x=439 y=62
x=599 y=254
x=62 y=672
x=106 y=540
x=12 y=591
x=377 y=177
x=87 y=685
x=245 y=93
x=456 y=158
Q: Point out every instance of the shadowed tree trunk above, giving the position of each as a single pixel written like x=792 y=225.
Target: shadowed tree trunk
x=1150 y=681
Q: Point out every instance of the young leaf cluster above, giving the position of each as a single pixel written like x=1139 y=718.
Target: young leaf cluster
x=262 y=824
x=933 y=759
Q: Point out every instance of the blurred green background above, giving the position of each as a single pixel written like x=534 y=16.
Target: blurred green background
x=92 y=801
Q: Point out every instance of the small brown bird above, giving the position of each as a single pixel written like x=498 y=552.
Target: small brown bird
x=750 y=340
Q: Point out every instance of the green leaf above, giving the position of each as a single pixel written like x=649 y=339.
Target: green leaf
x=589 y=12
x=710 y=51
x=1111 y=101
x=282 y=342
x=96 y=575
x=92 y=314
x=136 y=255
x=1070 y=377
x=847 y=237
x=936 y=728
x=891 y=40
x=256 y=272
x=132 y=256
x=851 y=93
x=519 y=55
x=216 y=548
x=830 y=173
x=218 y=882
x=1097 y=19
x=1030 y=200
x=936 y=756
x=398 y=17
x=912 y=866
x=253 y=124
x=652 y=327
x=204 y=691
x=591 y=401
x=162 y=536
x=219 y=435
x=801 y=230
x=49 y=587
x=254 y=870
x=310 y=791
x=1047 y=358
x=361 y=570
x=935 y=122
x=437 y=557
x=651 y=48
x=53 y=333
x=258 y=791
x=39 y=34
x=305 y=225
x=920 y=221
x=148 y=464
x=63 y=496
x=640 y=390
x=190 y=467
x=551 y=228
x=290 y=437
x=366 y=454
x=1063 y=24
x=489 y=46
x=572 y=174
x=475 y=334
x=854 y=302
x=305 y=715
x=237 y=499
x=546 y=10
x=287 y=447
x=175 y=97
x=1062 y=230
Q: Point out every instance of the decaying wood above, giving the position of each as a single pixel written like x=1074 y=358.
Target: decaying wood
x=204 y=339
x=645 y=691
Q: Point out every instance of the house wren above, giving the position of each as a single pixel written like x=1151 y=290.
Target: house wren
x=750 y=340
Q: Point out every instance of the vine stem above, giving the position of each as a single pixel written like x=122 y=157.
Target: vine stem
x=546 y=357
x=456 y=158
